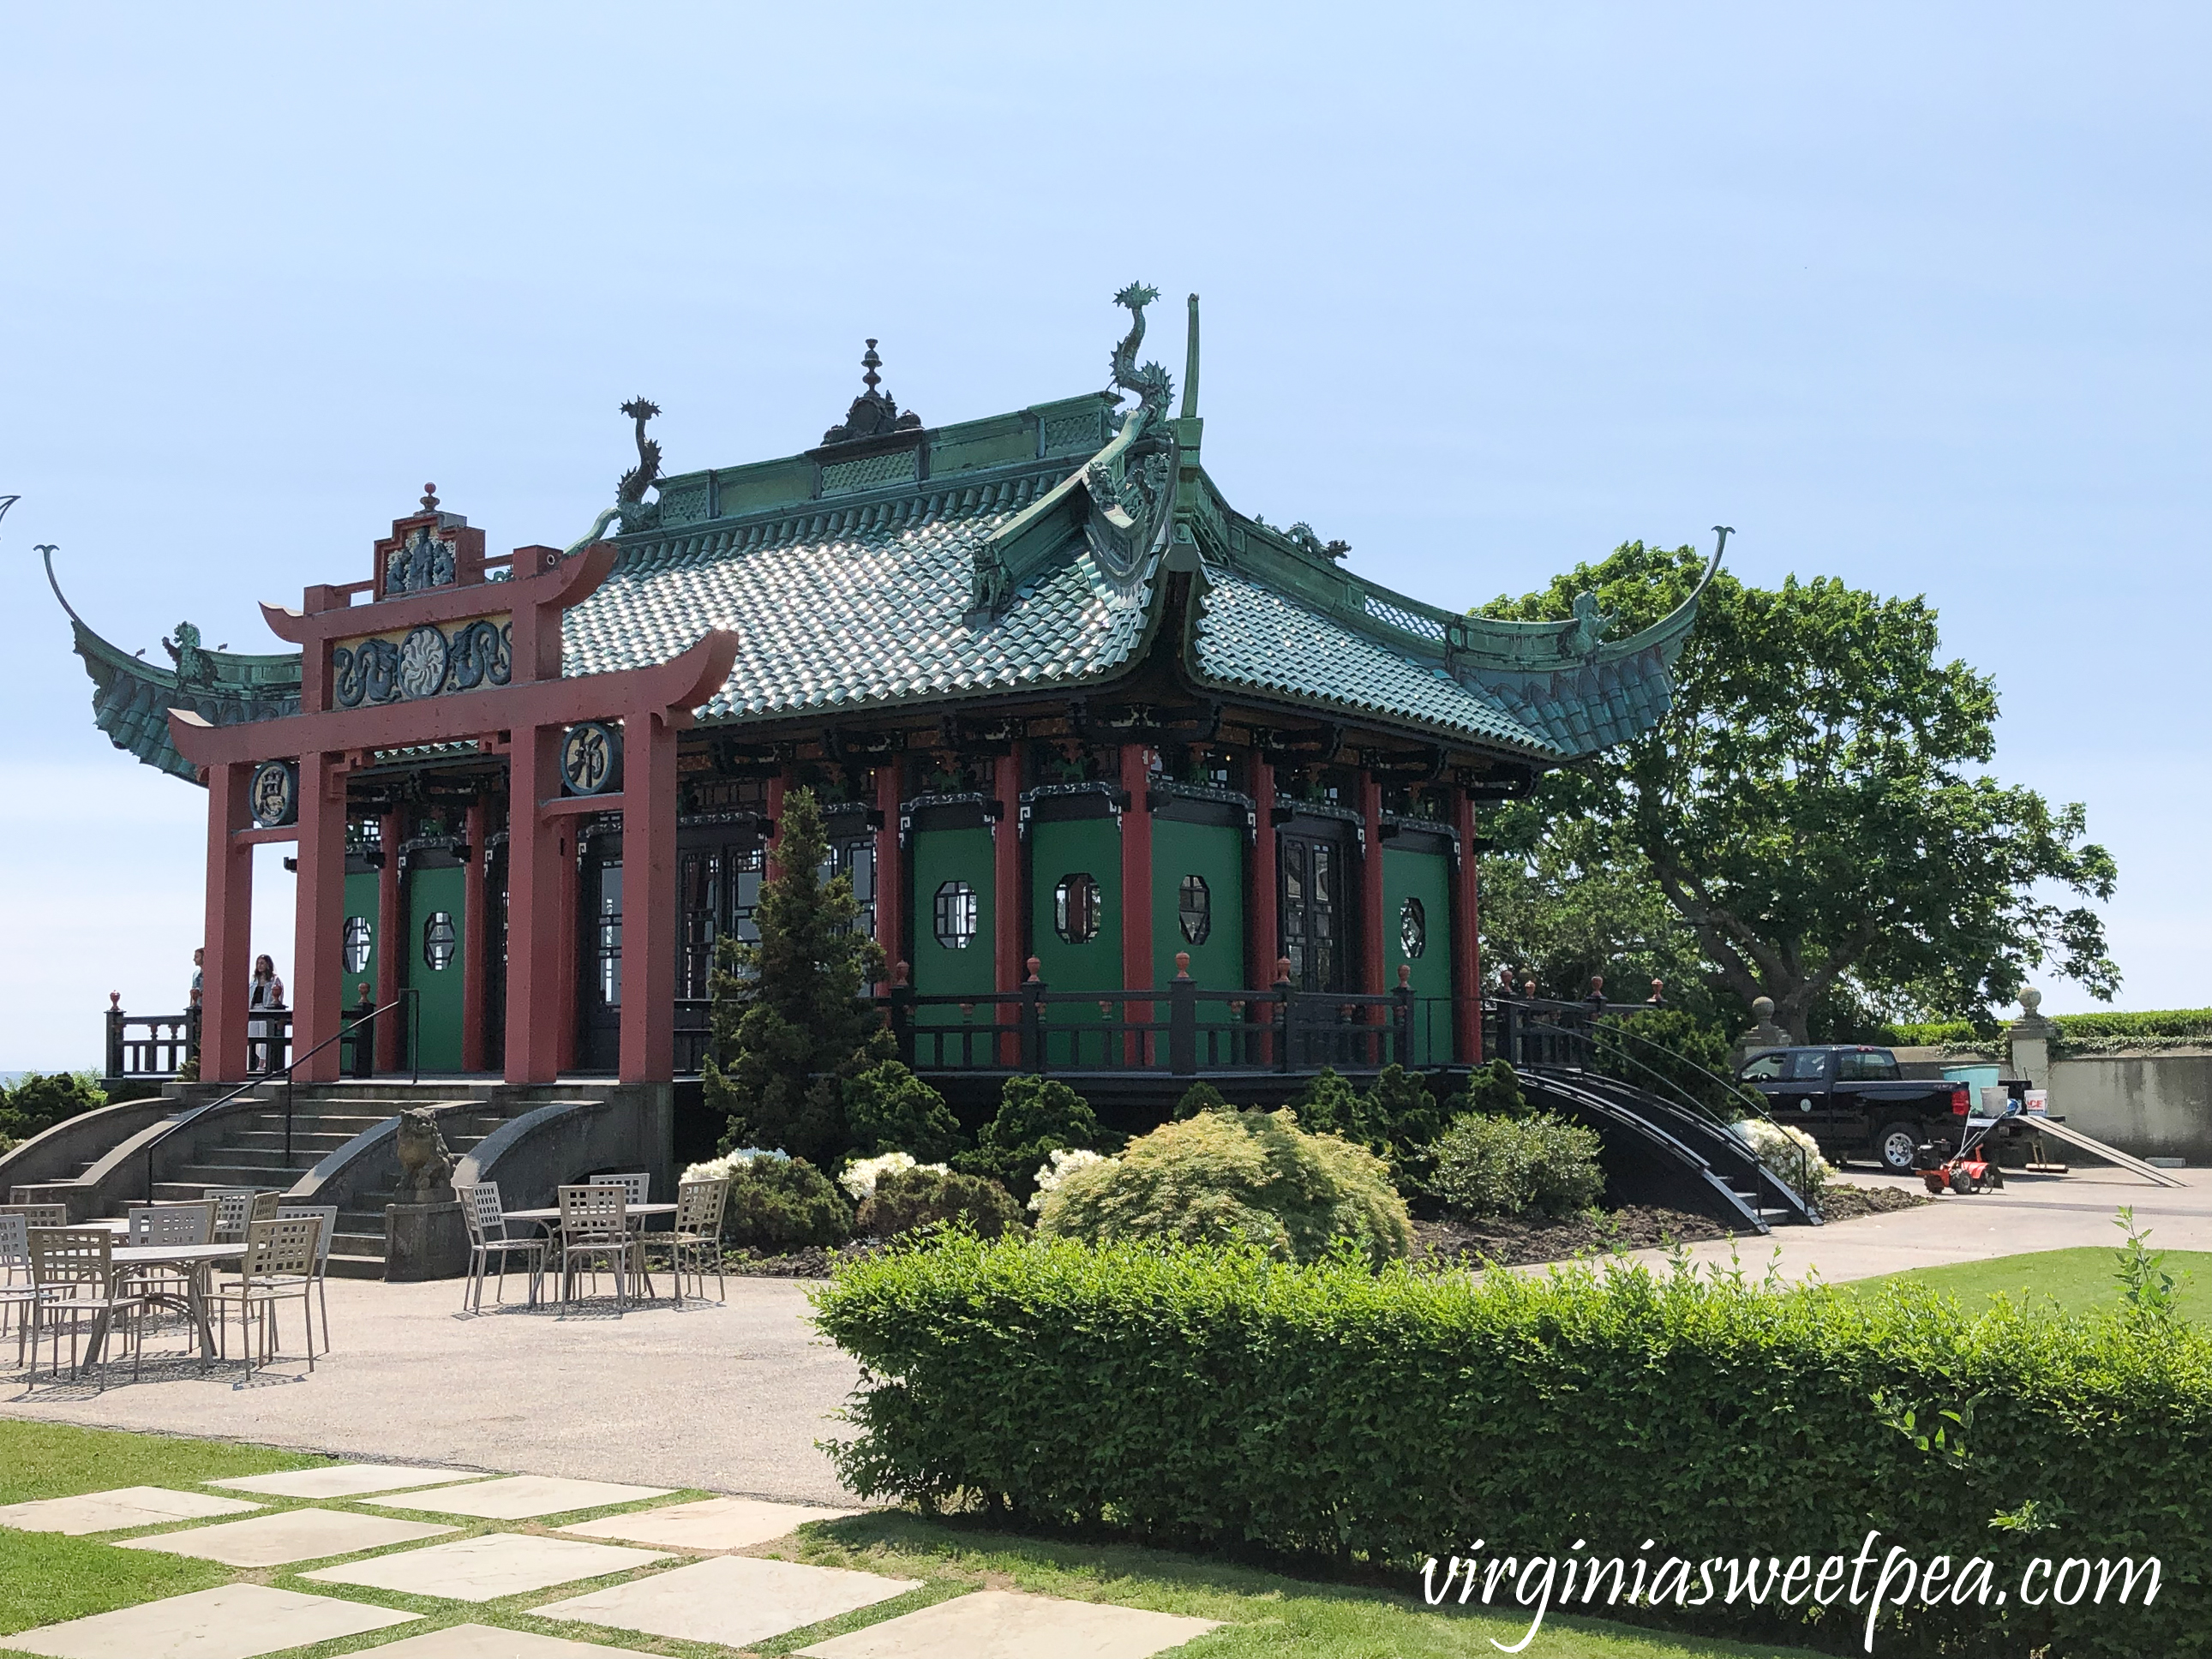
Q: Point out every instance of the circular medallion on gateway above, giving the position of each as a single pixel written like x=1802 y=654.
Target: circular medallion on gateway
x=423 y=663
x=274 y=794
x=591 y=758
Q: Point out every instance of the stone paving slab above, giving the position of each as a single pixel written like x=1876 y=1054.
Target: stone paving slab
x=484 y=1569
x=522 y=1497
x=484 y=1642
x=1001 y=1625
x=232 y=1621
x=734 y=1600
x=111 y=1511
x=274 y=1540
x=711 y=1523
x=342 y=1481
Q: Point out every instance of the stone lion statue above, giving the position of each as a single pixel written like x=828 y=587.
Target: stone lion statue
x=426 y=1167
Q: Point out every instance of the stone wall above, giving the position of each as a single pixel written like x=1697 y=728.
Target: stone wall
x=2157 y=1105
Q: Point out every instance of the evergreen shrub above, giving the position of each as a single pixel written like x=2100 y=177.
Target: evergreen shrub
x=1211 y=1398
x=907 y=1199
x=1512 y=1166
x=889 y=1109
x=1237 y=1178
x=781 y=1203
x=1036 y=1116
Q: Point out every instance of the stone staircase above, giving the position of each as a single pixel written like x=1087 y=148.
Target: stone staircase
x=252 y=1155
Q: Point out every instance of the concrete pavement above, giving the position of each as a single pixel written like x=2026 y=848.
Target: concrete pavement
x=2033 y=1212
x=730 y=1397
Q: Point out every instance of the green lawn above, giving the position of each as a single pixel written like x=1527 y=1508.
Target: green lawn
x=46 y=1578
x=2076 y=1280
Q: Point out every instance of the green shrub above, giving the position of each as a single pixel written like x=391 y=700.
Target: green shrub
x=1237 y=1178
x=1670 y=1052
x=1036 y=1116
x=781 y=1203
x=1329 y=1105
x=1511 y=1166
x=889 y=1109
x=1491 y=1090
x=2109 y=1033
x=907 y=1199
x=1217 y=1399
x=1199 y=1097
x=37 y=1101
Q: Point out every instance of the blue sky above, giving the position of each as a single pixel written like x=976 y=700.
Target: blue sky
x=1917 y=296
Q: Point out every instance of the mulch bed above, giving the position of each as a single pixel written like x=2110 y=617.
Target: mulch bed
x=1505 y=1241
x=1515 y=1242
x=1843 y=1202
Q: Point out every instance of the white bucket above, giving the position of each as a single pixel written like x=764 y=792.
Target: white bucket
x=2038 y=1100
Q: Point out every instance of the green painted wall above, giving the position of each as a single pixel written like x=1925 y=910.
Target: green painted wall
x=363 y=891
x=1425 y=877
x=429 y=891
x=939 y=856
x=1216 y=853
x=1090 y=847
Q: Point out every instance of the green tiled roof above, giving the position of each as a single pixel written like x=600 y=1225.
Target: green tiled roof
x=860 y=606
x=1249 y=637
x=131 y=697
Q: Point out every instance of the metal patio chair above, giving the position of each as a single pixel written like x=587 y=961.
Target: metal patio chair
x=482 y=1208
x=237 y=1206
x=19 y=1287
x=695 y=1243
x=328 y=1215
x=75 y=1269
x=595 y=1225
x=279 y=1265
x=635 y=1184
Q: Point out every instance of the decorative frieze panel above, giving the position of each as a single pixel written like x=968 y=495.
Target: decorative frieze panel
x=423 y=661
x=423 y=561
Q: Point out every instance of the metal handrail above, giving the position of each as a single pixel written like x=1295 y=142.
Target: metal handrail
x=1756 y=1102
x=410 y=996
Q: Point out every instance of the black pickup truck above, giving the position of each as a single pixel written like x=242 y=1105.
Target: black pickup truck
x=1854 y=1103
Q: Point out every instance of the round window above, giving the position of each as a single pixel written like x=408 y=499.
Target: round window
x=1075 y=909
x=438 y=941
x=1413 y=929
x=1194 y=906
x=955 y=915
x=360 y=934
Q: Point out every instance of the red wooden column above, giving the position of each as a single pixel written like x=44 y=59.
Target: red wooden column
x=475 y=941
x=1466 y=937
x=391 y=949
x=319 y=988
x=648 y=1004
x=537 y=954
x=1136 y=888
x=1007 y=952
x=890 y=868
x=229 y=941
x=1371 y=887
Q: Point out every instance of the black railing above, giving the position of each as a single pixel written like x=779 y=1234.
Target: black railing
x=1571 y=1035
x=1180 y=1028
x=150 y=1045
x=357 y=1026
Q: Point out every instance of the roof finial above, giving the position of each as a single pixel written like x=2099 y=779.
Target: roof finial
x=1190 y=366
x=429 y=498
x=869 y=363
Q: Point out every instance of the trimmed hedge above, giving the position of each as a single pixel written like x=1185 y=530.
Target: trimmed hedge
x=1200 y=1397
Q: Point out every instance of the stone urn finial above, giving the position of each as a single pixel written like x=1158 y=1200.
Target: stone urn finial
x=2031 y=1002
x=1762 y=1009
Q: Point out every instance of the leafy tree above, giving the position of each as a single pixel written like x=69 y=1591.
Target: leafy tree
x=789 y=1023
x=37 y=1100
x=889 y=1109
x=1036 y=1116
x=1813 y=808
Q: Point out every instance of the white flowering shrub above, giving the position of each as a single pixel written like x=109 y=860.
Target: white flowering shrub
x=861 y=1175
x=719 y=1168
x=1777 y=1147
x=1063 y=1162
